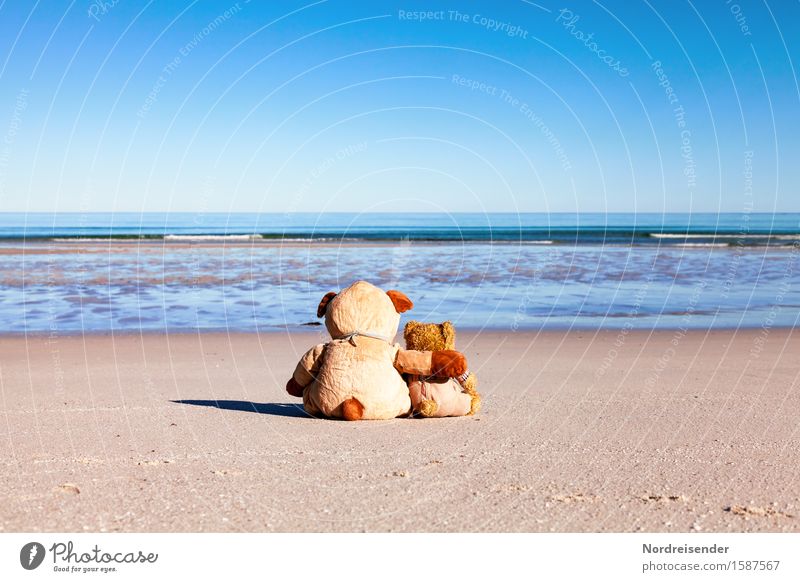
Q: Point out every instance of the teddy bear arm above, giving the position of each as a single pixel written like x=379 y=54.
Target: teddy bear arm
x=444 y=363
x=448 y=363
x=413 y=362
x=308 y=366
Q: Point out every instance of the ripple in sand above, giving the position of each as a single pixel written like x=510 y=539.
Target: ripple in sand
x=749 y=510
x=575 y=498
x=664 y=498
x=68 y=488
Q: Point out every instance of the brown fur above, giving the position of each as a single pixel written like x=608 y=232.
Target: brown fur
x=401 y=302
x=323 y=305
x=352 y=409
x=440 y=337
x=430 y=336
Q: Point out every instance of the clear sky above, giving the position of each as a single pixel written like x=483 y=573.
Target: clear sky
x=370 y=106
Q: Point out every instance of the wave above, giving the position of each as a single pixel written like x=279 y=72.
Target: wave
x=590 y=237
x=671 y=235
x=530 y=229
x=211 y=237
x=703 y=245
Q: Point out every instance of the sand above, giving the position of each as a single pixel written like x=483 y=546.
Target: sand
x=580 y=431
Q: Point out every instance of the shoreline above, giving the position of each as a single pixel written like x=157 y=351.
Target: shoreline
x=252 y=287
x=194 y=432
x=305 y=329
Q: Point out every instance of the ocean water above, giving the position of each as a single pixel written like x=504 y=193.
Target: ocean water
x=70 y=273
x=559 y=228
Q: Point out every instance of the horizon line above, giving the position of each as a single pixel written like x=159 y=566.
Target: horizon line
x=205 y=212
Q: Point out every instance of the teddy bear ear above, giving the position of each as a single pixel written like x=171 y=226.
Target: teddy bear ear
x=323 y=305
x=400 y=301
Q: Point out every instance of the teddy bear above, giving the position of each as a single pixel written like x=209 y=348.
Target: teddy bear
x=358 y=373
x=439 y=395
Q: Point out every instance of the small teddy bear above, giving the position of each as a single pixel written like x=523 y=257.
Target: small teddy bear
x=438 y=396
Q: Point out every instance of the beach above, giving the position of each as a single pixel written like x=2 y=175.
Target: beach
x=600 y=199
x=607 y=431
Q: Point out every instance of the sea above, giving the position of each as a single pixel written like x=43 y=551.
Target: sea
x=70 y=273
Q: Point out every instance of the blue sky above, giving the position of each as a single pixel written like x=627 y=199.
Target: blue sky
x=365 y=106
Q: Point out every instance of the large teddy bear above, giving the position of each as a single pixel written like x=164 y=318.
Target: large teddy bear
x=357 y=375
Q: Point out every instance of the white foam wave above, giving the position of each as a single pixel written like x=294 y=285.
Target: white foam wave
x=703 y=245
x=725 y=235
x=211 y=237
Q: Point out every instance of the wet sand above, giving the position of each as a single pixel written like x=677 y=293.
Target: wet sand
x=580 y=431
x=100 y=287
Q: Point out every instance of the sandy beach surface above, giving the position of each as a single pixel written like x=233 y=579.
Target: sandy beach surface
x=580 y=431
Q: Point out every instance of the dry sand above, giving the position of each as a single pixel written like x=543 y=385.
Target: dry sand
x=580 y=431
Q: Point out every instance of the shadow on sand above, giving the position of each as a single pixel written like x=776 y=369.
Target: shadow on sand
x=273 y=408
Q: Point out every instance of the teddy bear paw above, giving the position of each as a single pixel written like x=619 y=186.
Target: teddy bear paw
x=294 y=389
x=427 y=408
x=448 y=363
x=470 y=384
x=475 y=405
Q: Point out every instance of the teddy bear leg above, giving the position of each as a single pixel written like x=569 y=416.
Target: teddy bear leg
x=460 y=404
x=470 y=386
x=427 y=408
x=449 y=398
x=352 y=409
x=311 y=410
x=421 y=403
x=475 y=404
